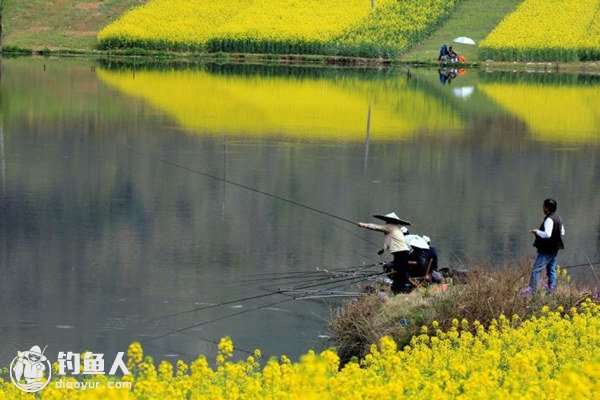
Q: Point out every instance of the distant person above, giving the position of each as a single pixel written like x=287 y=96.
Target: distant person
x=444 y=54
x=548 y=241
x=394 y=244
x=452 y=54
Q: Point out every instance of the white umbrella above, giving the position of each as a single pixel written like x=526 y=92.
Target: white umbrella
x=464 y=40
x=463 y=92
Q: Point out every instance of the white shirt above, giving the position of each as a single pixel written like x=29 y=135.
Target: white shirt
x=394 y=238
x=548 y=226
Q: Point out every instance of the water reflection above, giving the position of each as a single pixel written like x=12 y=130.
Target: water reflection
x=310 y=104
x=563 y=109
x=95 y=240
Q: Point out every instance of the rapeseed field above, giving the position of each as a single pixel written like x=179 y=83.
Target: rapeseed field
x=557 y=30
x=278 y=26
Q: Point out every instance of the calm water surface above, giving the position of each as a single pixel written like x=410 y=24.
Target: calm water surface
x=97 y=238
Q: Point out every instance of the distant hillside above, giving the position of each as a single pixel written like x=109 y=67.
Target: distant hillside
x=66 y=24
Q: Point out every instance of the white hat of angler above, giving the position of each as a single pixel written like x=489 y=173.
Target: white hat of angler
x=416 y=241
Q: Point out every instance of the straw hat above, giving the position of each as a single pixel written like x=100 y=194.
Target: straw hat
x=392 y=218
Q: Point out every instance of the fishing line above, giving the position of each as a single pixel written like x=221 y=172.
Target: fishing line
x=286 y=278
x=301 y=283
x=240 y=300
x=235 y=348
x=225 y=180
x=355 y=267
x=308 y=274
x=211 y=306
x=258 y=307
x=588 y=264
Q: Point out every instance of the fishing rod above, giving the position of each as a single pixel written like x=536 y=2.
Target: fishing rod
x=355 y=267
x=230 y=302
x=588 y=264
x=312 y=273
x=314 y=279
x=308 y=285
x=228 y=181
x=256 y=308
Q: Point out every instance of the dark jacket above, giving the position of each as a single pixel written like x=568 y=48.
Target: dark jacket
x=554 y=243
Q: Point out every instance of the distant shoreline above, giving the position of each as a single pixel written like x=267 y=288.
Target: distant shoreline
x=159 y=57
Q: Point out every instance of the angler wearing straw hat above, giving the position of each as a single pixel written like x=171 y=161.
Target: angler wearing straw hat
x=394 y=244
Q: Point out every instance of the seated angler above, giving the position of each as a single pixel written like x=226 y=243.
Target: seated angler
x=452 y=55
x=444 y=54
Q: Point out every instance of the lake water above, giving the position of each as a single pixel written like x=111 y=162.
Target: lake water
x=107 y=221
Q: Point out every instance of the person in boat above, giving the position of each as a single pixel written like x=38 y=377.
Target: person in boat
x=394 y=244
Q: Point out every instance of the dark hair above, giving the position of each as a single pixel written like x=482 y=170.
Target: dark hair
x=550 y=204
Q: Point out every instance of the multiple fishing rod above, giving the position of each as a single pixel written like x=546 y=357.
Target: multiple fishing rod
x=259 y=296
x=343 y=279
x=314 y=283
x=339 y=283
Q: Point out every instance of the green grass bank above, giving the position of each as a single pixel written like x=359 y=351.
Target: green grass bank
x=472 y=18
x=59 y=24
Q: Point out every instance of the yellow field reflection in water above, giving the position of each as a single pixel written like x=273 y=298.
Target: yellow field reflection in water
x=557 y=113
x=313 y=108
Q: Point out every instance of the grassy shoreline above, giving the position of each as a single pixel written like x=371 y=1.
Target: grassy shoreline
x=481 y=295
x=141 y=56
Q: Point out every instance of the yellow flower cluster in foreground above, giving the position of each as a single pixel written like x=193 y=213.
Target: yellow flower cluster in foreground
x=555 y=355
x=547 y=30
x=277 y=26
x=308 y=108
x=560 y=113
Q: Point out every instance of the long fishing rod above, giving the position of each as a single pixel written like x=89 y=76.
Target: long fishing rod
x=257 y=308
x=307 y=274
x=588 y=264
x=301 y=283
x=232 y=301
x=355 y=267
x=289 y=278
x=225 y=180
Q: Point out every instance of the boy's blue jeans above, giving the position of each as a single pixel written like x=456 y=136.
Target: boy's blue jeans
x=548 y=260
